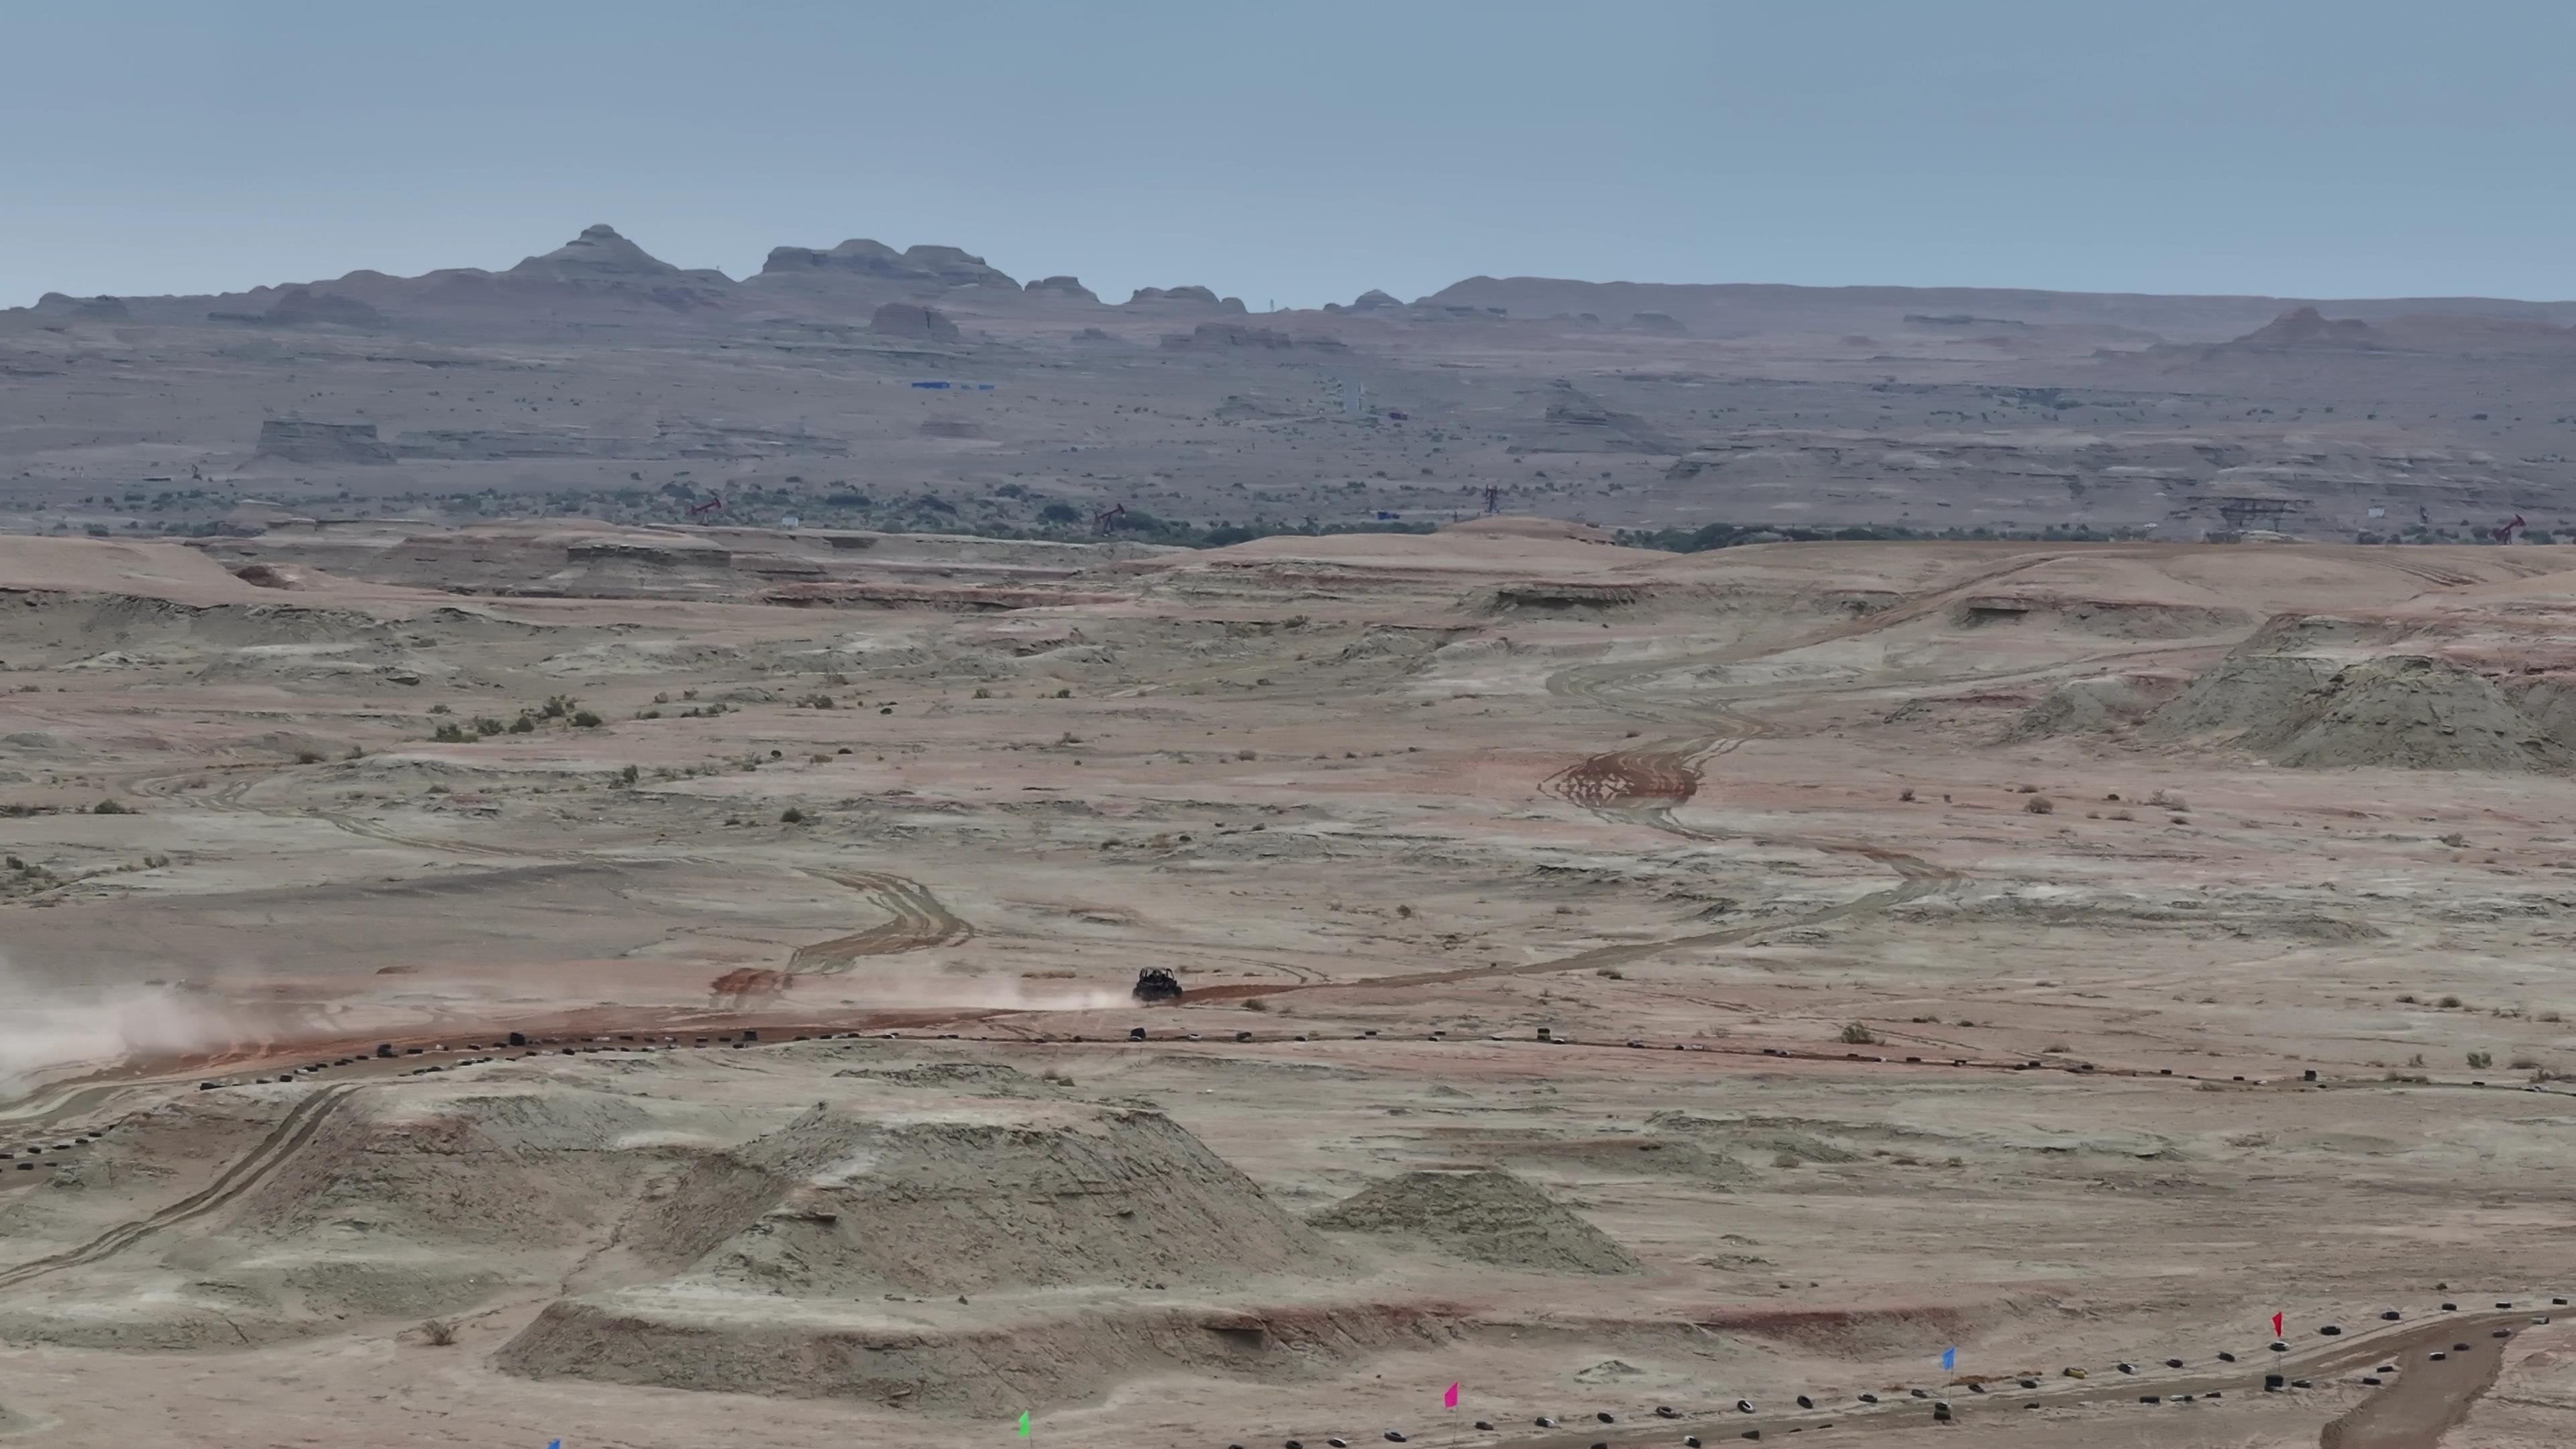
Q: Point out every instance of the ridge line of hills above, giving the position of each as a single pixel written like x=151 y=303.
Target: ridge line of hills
x=602 y=265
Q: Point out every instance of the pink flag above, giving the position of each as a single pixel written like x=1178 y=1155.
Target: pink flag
x=1449 y=1400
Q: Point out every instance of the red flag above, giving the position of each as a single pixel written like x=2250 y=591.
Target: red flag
x=2276 y=1325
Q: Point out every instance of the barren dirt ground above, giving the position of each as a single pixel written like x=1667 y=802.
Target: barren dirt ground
x=1731 y=976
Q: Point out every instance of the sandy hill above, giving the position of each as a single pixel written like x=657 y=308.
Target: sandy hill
x=949 y=1257
x=970 y=1200
x=1488 y=1217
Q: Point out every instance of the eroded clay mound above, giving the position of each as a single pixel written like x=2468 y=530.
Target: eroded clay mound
x=959 y=1262
x=340 y=1205
x=2090 y=706
x=1487 y=1217
x=2411 y=713
x=978 y=1360
x=2406 y=711
x=2240 y=694
x=834 y=1205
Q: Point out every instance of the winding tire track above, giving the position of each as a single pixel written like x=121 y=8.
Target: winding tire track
x=1612 y=686
x=283 y=1141
x=919 y=923
x=368 y=829
x=1645 y=784
x=920 y=920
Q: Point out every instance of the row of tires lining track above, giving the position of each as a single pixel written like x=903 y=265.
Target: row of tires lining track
x=2175 y=1381
x=32 y=1157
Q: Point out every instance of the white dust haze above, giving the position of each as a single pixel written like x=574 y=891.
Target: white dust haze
x=50 y=1029
x=891 y=992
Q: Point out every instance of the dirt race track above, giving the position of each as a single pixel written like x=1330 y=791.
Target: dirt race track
x=655 y=1020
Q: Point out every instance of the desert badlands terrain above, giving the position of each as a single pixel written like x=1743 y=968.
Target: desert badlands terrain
x=660 y=986
x=576 y=843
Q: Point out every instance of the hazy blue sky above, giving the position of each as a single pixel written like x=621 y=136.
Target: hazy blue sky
x=1307 y=151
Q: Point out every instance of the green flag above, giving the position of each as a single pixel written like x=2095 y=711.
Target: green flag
x=1024 y=1423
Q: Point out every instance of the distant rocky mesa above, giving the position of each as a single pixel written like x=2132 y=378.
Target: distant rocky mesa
x=914 y=321
x=1200 y=295
x=88 y=309
x=597 y=270
x=1371 y=300
x=1064 y=286
x=2307 y=327
x=599 y=260
x=602 y=271
x=919 y=266
x=302 y=307
x=600 y=254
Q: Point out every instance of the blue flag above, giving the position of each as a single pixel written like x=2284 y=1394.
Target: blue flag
x=1949 y=1358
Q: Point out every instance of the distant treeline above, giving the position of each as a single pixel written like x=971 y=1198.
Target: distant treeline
x=1148 y=528
x=2418 y=533
x=1731 y=535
